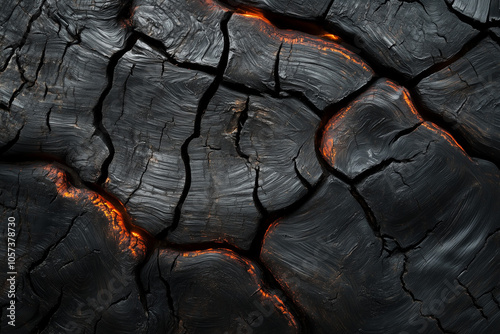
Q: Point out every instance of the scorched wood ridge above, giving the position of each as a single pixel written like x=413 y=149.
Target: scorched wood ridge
x=251 y=166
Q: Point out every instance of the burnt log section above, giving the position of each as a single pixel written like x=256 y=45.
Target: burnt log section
x=251 y=166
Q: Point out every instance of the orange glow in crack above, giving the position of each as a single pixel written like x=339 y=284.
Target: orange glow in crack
x=318 y=42
x=256 y=15
x=323 y=45
x=444 y=135
x=332 y=37
x=131 y=240
x=407 y=98
x=252 y=271
x=327 y=146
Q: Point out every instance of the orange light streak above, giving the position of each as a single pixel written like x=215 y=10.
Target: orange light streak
x=444 y=135
x=256 y=15
x=252 y=270
x=327 y=146
x=304 y=38
x=407 y=98
x=332 y=37
x=131 y=240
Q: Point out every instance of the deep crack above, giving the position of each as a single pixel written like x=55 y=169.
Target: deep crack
x=202 y=107
x=100 y=130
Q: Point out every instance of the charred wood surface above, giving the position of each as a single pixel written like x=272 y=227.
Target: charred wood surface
x=250 y=166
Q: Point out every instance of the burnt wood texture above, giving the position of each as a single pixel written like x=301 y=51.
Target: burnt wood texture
x=250 y=166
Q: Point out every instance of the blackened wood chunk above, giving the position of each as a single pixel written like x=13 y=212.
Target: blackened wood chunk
x=62 y=84
x=478 y=10
x=219 y=206
x=189 y=29
x=278 y=139
x=323 y=71
x=465 y=95
x=240 y=137
x=437 y=208
x=415 y=207
x=253 y=48
x=213 y=291
x=408 y=36
x=75 y=257
x=474 y=9
x=149 y=114
x=301 y=9
x=429 y=200
x=325 y=254
x=269 y=58
x=370 y=130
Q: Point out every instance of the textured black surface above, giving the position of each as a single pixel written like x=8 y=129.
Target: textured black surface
x=408 y=36
x=251 y=166
x=212 y=291
x=75 y=259
x=165 y=99
x=465 y=95
x=479 y=10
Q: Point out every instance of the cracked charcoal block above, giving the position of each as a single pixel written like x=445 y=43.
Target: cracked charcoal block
x=465 y=95
x=429 y=199
x=253 y=47
x=475 y=9
x=441 y=162
x=15 y=18
x=302 y=9
x=213 y=291
x=370 y=130
x=437 y=208
x=57 y=110
x=219 y=206
x=278 y=138
x=189 y=29
x=460 y=207
x=324 y=72
x=98 y=24
x=73 y=252
x=150 y=111
x=408 y=36
x=386 y=134
x=325 y=254
x=479 y=10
